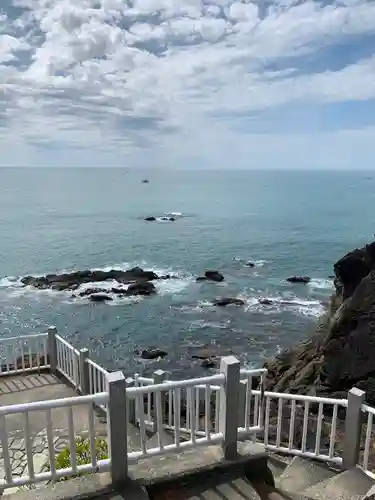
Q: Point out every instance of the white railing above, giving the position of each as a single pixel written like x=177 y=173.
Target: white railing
x=68 y=361
x=292 y=424
x=159 y=398
x=98 y=379
x=292 y=413
x=365 y=463
x=49 y=471
x=23 y=354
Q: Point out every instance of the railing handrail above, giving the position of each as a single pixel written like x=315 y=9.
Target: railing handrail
x=96 y=366
x=23 y=337
x=98 y=398
x=67 y=344
x=176 y=384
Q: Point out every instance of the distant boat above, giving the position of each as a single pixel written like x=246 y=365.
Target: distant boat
x=145 y=181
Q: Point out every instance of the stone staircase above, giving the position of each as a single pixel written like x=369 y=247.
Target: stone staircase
x=302 y=479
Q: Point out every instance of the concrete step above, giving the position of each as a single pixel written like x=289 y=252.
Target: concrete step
x=351 y=484
x=228 y=489
x=302 y=473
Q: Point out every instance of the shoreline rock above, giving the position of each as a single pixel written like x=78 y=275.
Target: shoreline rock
x=211 y=275
x=299 y=279
x=340 y=353
x=71 y=281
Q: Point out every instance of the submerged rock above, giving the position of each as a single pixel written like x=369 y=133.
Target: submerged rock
x=266 y=302
x=211 y=276
x=249 y=264
x=226 y=301
x=299 y=279
x=152 y=353
x=210 y=353
x=141 y=288
x=340 y=355
x=100 y=297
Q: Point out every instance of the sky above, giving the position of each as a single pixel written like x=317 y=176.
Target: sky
x=232 y=84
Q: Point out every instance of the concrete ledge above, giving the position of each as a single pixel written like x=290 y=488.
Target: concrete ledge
x=193 y=464
x=83 y=488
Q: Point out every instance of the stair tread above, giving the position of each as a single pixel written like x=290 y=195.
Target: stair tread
x=237 y=488
x=302 y=473
x=351 y=484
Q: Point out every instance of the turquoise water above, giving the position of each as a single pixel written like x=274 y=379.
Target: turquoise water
x=287 y=222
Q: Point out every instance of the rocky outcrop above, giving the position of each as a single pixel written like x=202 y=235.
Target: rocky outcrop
x=211 y=276
x=341 y=352
x=70 y=281
x=152 y=353
x=299 y=279
x=227 y=301
x=141 y=288
x=100 y=297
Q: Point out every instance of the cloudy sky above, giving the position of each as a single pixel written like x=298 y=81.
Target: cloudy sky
x=188 y=83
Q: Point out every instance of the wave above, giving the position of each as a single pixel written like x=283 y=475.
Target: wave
x=271 y=305
x=321 y=284
x=256 y=262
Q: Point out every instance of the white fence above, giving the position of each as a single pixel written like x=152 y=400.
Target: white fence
x=23 y=354
x=229 y=406
x=43 y=410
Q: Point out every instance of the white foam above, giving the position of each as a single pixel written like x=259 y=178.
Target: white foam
x=321 y=284
x=171 y=286
x=10 y=281
x=173 y=214
x=292 y=304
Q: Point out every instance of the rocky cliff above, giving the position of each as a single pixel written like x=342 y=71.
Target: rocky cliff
x=341 y=353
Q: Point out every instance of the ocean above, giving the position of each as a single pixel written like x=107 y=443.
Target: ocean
x=287 y=223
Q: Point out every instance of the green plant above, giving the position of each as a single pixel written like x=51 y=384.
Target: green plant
x=83 y=455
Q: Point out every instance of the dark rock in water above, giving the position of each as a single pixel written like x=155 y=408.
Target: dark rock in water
x=299 y=279
x=93 y=291
x=266 y=302
x=226 y=301
x=172 y=219
x=100 y=297
x=141 y=288
x=214 y=276
x=70 y=281
x=249 y=264
x=145 y=181
x=201 y=278
x=341 y=353
x=152 y=353
x=150 y=218
x=209 y=363
x=210 y=352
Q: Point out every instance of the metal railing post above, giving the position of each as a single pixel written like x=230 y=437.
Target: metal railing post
x=228 y=414
x=84 y=376
x=117 y=428
x=160 y=376
x=353 y=428
x=52 y=348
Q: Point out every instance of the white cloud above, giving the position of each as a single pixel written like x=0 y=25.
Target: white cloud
x=132 y=77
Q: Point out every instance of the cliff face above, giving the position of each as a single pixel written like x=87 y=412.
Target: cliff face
x=341 y=353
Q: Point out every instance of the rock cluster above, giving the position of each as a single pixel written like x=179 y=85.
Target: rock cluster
x=341 y=352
